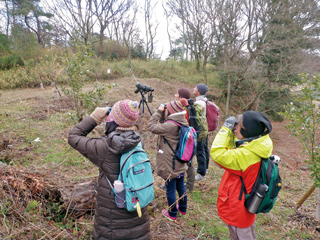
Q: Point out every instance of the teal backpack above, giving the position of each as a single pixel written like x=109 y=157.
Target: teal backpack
x=269 y=175
x=136 y=175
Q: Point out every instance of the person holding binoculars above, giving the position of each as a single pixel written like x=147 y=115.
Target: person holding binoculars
x=164 y=124
x=110 y=221
x=238 y=148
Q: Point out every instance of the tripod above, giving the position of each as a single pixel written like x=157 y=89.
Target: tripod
x=143 y=102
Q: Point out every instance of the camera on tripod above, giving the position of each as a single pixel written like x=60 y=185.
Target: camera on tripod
x=143 y=88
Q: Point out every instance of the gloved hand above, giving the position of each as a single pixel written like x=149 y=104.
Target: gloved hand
x=99 y=114
x=230 y=123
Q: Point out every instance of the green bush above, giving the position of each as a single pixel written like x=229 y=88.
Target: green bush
x=52 y=67
x=10 y=61
x=4 y=46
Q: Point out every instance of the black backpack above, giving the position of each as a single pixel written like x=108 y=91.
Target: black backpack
x=269 y=175
x=193 y=120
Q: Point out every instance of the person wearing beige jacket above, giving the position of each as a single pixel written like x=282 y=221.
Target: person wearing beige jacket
x=172 y=171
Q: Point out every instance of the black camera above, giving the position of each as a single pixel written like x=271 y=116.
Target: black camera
x=164 y=105
x=143 y=88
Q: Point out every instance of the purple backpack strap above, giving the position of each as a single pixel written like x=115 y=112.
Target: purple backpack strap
x=174 y=122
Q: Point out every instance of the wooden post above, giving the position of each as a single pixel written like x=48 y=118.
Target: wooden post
x=305 y=196
x=318 y=206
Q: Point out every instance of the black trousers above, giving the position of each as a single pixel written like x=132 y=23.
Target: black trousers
x=202 y=156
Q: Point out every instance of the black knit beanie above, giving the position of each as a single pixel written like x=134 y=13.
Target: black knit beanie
x=255 y=124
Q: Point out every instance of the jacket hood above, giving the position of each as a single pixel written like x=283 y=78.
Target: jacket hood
x=120 y=142
x=179 y=118
x=262 y=146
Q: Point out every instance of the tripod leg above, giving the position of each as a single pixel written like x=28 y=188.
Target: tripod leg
x=148 y=107
x=141 y=116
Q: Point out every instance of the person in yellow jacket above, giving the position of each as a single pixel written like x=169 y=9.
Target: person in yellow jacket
x=238 y=148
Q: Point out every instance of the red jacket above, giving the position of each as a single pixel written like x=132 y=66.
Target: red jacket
x=242 y=161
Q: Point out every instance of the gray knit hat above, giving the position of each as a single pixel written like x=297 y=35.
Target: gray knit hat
x=202 y=88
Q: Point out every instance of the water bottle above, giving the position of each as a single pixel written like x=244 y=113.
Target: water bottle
x=120 y=193
x=258 y=197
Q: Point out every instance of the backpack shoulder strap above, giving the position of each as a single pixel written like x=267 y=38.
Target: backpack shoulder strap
x=173 y=122
x=243 y=189
x=255 y=185
x=269 y=170
x=135 y=150
x=166 y=141
x=174 y=152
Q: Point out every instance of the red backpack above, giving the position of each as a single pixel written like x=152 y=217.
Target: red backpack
x=212 y=116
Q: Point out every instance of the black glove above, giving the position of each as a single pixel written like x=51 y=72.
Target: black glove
x=230 y=123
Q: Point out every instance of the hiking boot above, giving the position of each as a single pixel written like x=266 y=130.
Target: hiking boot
x=183 y=213
x=166 y=214
x=199 y=177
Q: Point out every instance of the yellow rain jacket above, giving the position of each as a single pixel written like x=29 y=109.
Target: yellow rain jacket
x=242 y=161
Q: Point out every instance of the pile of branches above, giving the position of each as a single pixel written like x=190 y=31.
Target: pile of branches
x=27 y=198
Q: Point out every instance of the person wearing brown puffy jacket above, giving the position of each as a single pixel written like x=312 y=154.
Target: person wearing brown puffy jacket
x=172 y=171
x=111 y=222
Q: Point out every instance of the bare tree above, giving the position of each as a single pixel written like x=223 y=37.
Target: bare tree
x=230 y=33
x=107 y=11
x=151 y=26
x=198 y=28
x=75 y=16
x=130 y=31
x=168 y=17
x=267 y=51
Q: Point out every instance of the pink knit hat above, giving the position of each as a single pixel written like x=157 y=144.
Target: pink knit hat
x=124 y=113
